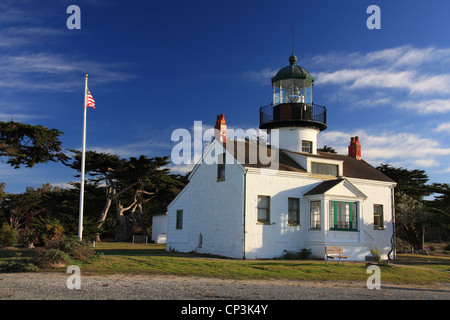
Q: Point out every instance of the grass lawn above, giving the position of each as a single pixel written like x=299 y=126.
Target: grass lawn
x=152 y=259
x=436 y=262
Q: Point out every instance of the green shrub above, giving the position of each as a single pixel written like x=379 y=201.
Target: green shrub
x=48 y=230
x=18 y=265
x=52 y=258
x=302 y=255
x=377 y=254
x=58 y=254
x=78 y=250
x=401 y=245
x=8 y=236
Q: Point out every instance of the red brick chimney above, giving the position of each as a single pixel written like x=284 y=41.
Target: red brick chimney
x=354 y=149
x=220 y=129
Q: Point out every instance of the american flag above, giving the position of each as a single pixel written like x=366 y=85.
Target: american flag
x=90 y=100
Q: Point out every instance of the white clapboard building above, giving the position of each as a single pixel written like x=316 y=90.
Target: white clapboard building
x=256 y=200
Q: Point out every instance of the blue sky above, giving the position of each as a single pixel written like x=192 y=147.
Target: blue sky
x=155 y=66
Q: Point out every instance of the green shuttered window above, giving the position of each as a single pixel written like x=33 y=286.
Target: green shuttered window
x=343 y=216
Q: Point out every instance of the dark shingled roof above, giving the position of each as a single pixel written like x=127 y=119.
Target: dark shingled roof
x=323 y=187
x=352 y=168
x=284 y=162
x=355 y=168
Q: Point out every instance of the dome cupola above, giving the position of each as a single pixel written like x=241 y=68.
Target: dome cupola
x=292 y=84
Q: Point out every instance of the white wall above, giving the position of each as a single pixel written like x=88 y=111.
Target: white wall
x=357 y=244
x=377 y=193
x=269 y=241
x=179 y=237
x=159 y=226
x=291 y=138
x=212 y=209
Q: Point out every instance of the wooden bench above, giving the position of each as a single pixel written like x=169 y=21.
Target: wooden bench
x=334 y=252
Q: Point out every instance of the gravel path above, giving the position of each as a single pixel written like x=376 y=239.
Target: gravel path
x=52 y=286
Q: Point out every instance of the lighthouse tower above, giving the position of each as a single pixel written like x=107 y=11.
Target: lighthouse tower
x=292 y=111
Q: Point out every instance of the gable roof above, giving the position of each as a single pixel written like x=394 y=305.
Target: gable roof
x=245 y=151
x=248 y=154
x=346 y=189
x=323 y=187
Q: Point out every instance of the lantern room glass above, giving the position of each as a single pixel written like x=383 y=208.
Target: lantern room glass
x=292 y=91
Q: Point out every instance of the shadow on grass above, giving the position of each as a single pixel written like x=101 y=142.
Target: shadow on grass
x=12 y=252
x=306 y=263
x=410 y=259
x=134 y=252
x=151 y=250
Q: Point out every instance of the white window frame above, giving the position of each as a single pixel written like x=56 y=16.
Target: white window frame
x=319 y=215
x=267 y=220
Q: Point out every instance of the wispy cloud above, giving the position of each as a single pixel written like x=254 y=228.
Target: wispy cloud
x=54 y=72
x=150 y=147
x=181 y=169
x=410 y=77
x=27 y=26
x=427 y=106
x=443 y=128
x=20 y=116
x=12 y=108
x=260 y=76
x=406 y=149
x=409 y=80
x=389 y=58
x=417 y=79
x=16 y=37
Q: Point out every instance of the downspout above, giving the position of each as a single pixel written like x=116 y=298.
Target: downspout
x=243 y=211
x=393 y=225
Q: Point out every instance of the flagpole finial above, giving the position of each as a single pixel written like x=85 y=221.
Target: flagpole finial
x=86 y=75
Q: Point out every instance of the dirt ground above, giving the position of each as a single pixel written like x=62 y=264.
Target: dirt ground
x=53 y=286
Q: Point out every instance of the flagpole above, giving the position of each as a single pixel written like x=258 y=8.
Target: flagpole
x=83 y=162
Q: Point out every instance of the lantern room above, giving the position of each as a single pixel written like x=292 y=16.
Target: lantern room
x=292 y=84
x=292 y=112
x=292 y=104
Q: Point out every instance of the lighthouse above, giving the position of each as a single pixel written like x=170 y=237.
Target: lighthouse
x=259 y=201
x=292 y=111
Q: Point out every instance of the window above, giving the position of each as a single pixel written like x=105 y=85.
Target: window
x=324 y=169
x=293 y=211
x=314 y=211
x=264 y=209
x=179 y=219
x=343 y=216
x=378 y=220
x=221 y=167
x=306 y=146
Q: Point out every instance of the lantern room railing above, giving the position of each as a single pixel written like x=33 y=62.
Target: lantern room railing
x=293 y=114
